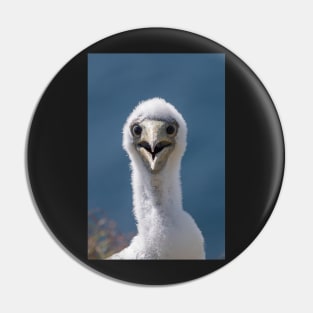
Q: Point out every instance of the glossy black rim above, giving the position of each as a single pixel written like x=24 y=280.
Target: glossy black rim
x=57 y=155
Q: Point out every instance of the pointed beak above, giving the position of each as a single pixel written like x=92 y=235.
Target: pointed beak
x=155 y=145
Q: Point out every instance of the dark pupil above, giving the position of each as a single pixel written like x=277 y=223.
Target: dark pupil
x=137 y=130
x=170 y=130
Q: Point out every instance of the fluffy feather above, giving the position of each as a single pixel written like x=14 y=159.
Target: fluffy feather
x=165 y=230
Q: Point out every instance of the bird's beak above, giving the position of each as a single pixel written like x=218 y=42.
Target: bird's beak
x=155 y=145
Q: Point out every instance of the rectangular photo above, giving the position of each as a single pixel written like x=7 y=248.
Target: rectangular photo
x=156 y=156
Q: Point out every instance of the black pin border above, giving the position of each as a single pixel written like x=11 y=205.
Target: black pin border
x=57 y=156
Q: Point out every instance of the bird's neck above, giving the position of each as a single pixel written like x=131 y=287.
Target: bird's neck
x=157 y=197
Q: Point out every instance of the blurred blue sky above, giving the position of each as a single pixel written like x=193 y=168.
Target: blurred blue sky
x=195 y=85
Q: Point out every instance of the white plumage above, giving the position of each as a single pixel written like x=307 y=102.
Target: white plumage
x=154 y=137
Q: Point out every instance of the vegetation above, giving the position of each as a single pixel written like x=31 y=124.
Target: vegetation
x=104 y=239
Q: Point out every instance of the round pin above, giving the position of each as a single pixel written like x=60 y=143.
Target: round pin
x=155 y=156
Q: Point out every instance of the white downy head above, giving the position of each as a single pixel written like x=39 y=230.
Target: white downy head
x=155 y=133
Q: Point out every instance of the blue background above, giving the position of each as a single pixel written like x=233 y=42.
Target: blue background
x=195 y=85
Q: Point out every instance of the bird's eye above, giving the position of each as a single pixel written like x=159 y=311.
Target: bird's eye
x=171 y=129
x=136 y=130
